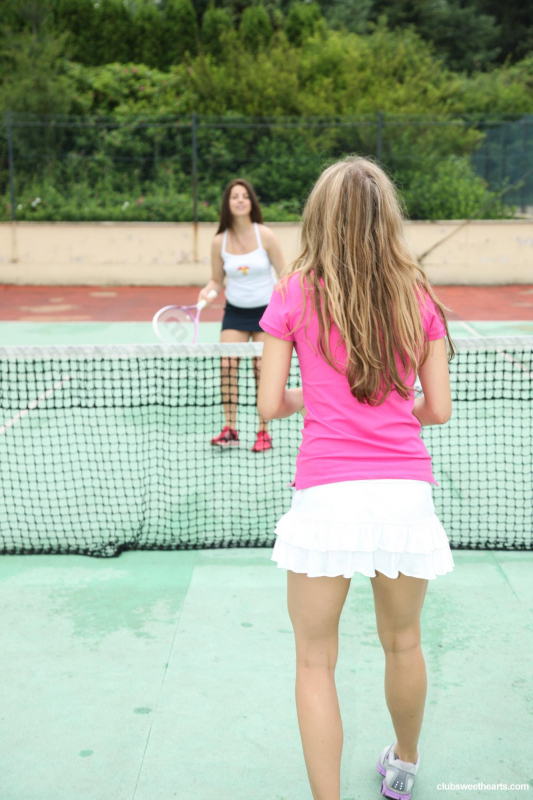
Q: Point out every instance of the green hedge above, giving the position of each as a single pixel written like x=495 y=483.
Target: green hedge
x=131 y=140
x=451 y=192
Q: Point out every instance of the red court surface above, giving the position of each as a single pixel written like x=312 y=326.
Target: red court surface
x=139 y=303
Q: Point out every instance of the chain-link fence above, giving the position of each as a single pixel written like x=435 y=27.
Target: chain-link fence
x=175 y=169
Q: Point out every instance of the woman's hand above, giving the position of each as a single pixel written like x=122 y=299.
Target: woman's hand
x=203 y=294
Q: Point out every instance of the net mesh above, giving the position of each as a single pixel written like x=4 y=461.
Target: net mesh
x=105 y=449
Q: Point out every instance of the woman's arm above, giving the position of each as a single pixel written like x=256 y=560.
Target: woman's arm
x=274 y=400
x=435 y=407
x=217 y=271
x=272 y=246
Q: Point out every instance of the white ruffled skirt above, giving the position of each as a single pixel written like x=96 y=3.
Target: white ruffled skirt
x=388 y=525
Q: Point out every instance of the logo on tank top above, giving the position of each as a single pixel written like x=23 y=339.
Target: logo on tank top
x=244 y=270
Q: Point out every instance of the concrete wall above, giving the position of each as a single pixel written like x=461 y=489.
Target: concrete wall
x=129 y=253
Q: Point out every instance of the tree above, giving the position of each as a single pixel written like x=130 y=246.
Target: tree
x=352 y=15
x=30 y=15
x=114 y=32
x=33 y=77
x=301 y=22
x=215 y=21
x=181 y=31
x=466 y=38
x=148 y=35
x=255 y=29
x=515 y=20
x=78 y=18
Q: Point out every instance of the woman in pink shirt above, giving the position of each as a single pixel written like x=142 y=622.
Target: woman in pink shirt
x=364 y=322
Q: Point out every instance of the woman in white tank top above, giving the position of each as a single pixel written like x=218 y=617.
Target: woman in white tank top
x=247 y=255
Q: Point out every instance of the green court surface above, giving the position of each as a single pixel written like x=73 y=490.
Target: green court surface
x=161 y=675
x=164 y=675
x=35 y=333
x=48 y=333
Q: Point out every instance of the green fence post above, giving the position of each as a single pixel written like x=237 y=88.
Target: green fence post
x=523 y=166
x=11 y=166
x=194 y=169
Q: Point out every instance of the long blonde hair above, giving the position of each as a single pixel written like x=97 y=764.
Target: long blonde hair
x=352 y=238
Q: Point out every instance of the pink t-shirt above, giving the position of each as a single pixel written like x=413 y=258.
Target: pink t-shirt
x=344 y=439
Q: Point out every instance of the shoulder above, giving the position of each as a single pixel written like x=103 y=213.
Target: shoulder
x=268 y=237
x=289 y=286
x=217 y=241
x=433 y=319
x=425 y=300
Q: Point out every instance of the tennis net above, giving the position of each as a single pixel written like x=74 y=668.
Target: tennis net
x=104 y=449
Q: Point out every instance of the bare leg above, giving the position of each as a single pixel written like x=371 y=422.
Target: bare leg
x=315 y=606
x=229 y=377
x=259 y=337
x=398 y=604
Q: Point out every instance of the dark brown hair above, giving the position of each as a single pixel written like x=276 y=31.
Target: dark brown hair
x=226 y=217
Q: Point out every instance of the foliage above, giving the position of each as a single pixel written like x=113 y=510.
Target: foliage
x=214 y=22
x=507 y=90
x=349 y=15
x=180 y=32
x=469 y=35
x=127 y=89
x=453 y=191
x=466 y=38
x=255 y=29
x=113 y=40
x=79 y=19
x=132 y=140
x=153 y=202
x=33 y=16
x=515 y=27
x=302 y=22
x=34 y=73
x=148 y=34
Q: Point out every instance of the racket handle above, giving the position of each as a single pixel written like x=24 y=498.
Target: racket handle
x=202 y=304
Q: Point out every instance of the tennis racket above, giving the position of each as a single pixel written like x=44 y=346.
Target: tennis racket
x=179 y=324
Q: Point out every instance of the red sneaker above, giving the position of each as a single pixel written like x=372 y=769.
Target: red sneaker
x=228 y=437
x=263 y=442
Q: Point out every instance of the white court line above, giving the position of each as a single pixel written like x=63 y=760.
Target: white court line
x=498 y=350
x=471 y=330
x=34 y=404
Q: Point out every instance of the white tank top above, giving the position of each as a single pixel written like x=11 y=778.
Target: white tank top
x=250 y=277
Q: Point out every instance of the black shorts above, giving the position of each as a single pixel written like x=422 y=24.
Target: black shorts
x=242 y=319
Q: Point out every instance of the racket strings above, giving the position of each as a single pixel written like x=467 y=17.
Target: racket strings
x=180 y=315
x=177 y=324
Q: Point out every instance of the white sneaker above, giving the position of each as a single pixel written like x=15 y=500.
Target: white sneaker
x=398 y=775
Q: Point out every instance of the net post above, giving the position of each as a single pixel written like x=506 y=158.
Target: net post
x=11 y=165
